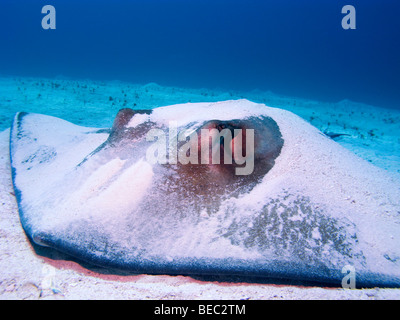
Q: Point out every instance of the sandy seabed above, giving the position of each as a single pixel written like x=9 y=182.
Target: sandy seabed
x=371 y=132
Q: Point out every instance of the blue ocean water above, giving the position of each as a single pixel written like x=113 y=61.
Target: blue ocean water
x=296 y=48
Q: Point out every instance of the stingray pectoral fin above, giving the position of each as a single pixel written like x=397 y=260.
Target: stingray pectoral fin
x=43 y=150
x=42 y=239
x=37 y=140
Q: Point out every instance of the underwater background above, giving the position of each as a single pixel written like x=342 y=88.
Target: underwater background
x=103 y=56
x=295 y=48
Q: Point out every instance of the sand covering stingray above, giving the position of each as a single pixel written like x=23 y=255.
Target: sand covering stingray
x=308 y=209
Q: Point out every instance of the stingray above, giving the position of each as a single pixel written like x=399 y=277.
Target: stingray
x=231 y=188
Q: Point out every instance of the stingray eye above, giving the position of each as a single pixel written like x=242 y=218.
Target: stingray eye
x=231 y=126
x=221 y=126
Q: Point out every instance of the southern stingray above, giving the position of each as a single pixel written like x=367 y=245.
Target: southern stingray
x=275 y=198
